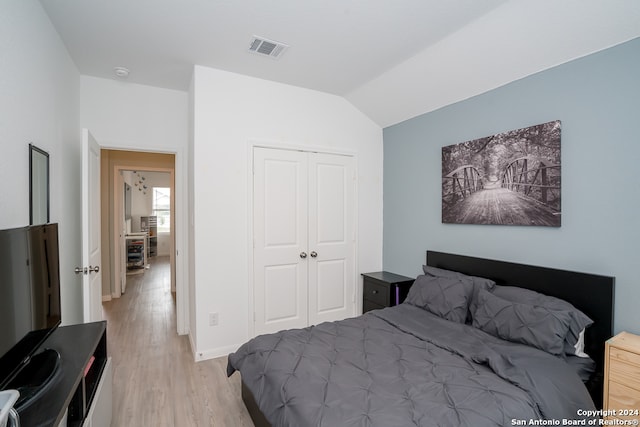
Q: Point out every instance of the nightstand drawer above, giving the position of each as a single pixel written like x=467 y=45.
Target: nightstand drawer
x=623 y=397
x=368 y=306
x=623 y=372
x=625 y=356
x=376 y=293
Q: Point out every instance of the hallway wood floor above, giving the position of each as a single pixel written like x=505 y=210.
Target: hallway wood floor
x=155 y=380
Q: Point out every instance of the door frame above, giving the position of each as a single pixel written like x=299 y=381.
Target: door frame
x=181 y=210
x=118 y=209
x=263 y=143
x=118 y=262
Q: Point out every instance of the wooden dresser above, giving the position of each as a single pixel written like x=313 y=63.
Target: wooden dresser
x=622 y=376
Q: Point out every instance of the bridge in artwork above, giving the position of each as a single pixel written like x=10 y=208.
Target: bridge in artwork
x=526 y=193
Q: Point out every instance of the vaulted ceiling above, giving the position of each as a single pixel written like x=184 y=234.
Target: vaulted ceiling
x=393 y=59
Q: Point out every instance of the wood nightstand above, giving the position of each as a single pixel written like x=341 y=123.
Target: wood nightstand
x=383 y=289
x=622 y=376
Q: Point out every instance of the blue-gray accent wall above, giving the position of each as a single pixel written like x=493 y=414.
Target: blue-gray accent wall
x=597 y=98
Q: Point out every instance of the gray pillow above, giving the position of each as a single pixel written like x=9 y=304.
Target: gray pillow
x=579 y=320
x=478 y=284
x=533 y=325
x=446 y=297
x=441 y=272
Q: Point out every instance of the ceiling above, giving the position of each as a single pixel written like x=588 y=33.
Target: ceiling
x=393 y=59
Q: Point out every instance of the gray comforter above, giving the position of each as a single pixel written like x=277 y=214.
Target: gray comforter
x=403 y=366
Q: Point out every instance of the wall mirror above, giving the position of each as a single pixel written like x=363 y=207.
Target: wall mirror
x=38 y=185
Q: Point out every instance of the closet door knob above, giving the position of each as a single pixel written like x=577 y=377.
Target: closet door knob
x=313 y=254
x=303 y=255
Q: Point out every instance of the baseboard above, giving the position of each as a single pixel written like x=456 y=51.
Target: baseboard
x=214 y=352
x=106 y=298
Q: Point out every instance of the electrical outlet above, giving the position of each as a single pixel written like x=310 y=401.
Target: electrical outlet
x=213 y=319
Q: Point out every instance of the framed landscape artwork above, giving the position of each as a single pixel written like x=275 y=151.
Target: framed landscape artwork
x=510 y=178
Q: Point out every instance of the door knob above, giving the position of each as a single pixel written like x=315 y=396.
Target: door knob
x=313 y=254
x=94 y=269
x=80 y=270
x=303 y=255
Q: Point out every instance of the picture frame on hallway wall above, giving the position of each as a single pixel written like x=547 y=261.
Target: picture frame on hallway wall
x=510 y=178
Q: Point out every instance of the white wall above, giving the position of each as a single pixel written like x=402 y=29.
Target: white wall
x=140 y=204
x=230 y=110
x=39 y=104
x=123 y=115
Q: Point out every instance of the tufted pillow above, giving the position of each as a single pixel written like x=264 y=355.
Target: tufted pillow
x=478 y=283
x=536 y=326
x=574 y=341
x=446 y=297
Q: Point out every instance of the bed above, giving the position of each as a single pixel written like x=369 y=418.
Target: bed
x=444 y=357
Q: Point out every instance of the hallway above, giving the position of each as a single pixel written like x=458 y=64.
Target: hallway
x=155 y=380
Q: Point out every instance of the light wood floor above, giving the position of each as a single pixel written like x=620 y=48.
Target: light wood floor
x=155 y=380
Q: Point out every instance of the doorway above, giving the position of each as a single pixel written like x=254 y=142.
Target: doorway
x=147 y=223
x=137 y=170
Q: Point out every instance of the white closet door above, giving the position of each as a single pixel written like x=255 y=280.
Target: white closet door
x=331 y=237
x=280 y=237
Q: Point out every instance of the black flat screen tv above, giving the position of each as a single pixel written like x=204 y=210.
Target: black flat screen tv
x=29 y=294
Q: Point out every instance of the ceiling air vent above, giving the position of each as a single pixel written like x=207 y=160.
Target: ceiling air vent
x=262 y=46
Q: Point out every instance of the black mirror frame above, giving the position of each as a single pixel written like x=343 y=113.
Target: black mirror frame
x=33 y=150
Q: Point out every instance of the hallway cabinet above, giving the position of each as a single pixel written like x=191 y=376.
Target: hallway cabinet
x=304 y=238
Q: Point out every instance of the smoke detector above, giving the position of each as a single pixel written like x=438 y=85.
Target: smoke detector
x=121 y=72
x=263 y=46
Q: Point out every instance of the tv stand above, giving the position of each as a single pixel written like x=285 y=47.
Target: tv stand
x=79 y=392
x=35 y=377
